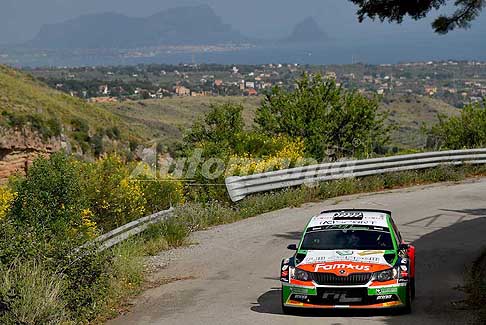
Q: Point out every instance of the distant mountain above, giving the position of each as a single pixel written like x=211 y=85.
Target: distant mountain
x=307 y=31
x=178 y=26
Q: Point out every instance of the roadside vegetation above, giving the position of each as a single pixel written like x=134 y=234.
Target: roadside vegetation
x=476 y=287
x=64 y=202
x=468 y=130
x=45 y=216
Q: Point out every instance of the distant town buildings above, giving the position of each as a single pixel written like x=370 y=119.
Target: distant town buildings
x=182 y=91
x=145 y=82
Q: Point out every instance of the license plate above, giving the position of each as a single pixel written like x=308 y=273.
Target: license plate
x=340 y=297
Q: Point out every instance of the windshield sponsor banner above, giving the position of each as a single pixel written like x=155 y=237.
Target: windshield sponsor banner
x=372 y=257
x=366 y=219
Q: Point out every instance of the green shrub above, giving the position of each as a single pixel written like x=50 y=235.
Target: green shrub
x=114 y=198
x=173 y=230
x=86 y=286
x=160 y=194
x=46 y=128
x=48 y=208
x=219 y=127
x=458 y=132
x=80 y=125
x=54 y=126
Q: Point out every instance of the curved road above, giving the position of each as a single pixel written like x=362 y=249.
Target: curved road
x=231 y=275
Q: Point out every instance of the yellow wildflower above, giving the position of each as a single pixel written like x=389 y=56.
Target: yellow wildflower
x=6 y=199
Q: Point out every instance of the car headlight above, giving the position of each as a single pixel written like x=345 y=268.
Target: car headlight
x=386 y=275
x=301 y=275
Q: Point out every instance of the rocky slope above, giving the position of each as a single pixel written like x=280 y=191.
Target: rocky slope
x=18 y=148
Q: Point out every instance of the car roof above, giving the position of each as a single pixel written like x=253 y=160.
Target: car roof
x=369 y=217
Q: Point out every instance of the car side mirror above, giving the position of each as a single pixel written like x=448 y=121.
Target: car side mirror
x=403 y=247
x=292 y=247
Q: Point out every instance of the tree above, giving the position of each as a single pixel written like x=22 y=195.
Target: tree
x=395 y=10
x=458 y=132
x=220 y=124
x=326 y=117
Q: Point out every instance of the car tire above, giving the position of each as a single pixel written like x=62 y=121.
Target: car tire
x=407 y=309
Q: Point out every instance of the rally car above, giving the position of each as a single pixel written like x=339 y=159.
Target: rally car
x=349 y=259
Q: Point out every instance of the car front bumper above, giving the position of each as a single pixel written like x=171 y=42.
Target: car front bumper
x=362 y=297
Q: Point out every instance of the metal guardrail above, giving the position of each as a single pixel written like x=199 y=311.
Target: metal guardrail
x=124 y=232
x=241 y=186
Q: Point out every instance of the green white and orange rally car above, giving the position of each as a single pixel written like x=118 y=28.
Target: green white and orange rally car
x=349 y=259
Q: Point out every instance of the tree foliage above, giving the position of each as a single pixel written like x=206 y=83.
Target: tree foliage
x=326 y=117
x=395 y=10
x=218 y=131
x=457 y=132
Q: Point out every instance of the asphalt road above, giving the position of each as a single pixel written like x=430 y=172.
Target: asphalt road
x=231 y=275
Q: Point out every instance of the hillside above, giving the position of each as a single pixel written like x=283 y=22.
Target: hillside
x=35 y=119
x=177 y=26
x=409 y=113
x=163 y=119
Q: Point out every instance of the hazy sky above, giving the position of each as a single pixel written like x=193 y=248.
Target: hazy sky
x=21 y=19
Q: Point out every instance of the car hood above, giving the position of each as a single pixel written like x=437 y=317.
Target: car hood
x=352 y=261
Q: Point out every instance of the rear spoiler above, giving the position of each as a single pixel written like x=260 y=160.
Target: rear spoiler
x=357 y=210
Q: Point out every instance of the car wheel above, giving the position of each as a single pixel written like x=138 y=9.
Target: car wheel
x=407 y=309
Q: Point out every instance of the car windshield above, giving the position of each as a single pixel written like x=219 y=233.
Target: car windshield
x=330 y=239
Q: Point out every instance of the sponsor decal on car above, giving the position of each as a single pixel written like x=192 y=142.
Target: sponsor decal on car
x=303 y=291
x=347 y=215
x=298 y=290
x=329 y=267
x=384 y=297
x=344 y=253
x=382 y=291
x=354 y=222
x=366 y=253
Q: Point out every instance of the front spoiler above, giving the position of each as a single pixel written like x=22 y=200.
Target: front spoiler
x=298 y=304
